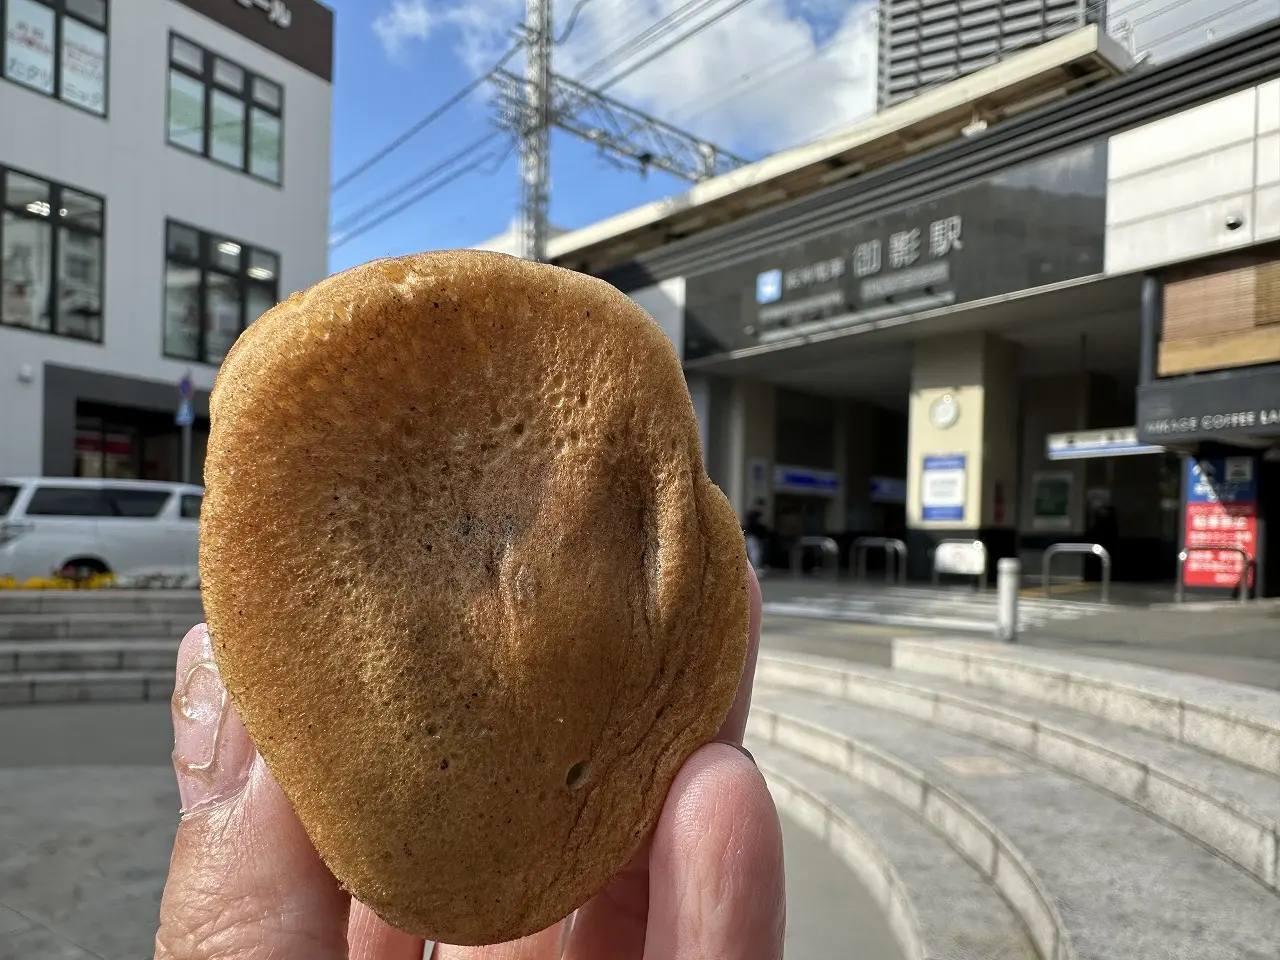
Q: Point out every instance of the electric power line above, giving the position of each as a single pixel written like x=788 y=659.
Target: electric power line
x=498 y=159
x=403 y=188
x=646 y=38
x=684 y=37
x=426 y=121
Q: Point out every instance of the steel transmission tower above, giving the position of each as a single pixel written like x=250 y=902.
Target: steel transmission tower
x=532 y=105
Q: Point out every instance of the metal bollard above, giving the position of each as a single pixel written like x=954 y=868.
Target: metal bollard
x=1008 y=584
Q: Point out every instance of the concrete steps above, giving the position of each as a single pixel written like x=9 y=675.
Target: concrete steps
x=180 y=603
x=1231 y=720
x=1089 y=876
x=1232 y=809
x=81 y=686
x=48 y=656
x=94 y=626
x=938 y=905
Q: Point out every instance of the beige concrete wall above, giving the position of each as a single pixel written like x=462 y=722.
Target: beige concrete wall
x=1174 y=183
x=979 y=371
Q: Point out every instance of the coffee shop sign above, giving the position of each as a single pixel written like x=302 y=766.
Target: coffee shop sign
x=276 y=11
x=1238 y=420
x=903 y=249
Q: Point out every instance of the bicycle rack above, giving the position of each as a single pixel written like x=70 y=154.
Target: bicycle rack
x=895 y=557
x=830 y=551
x=958 y=567
x=1096 y=549
x=1246 y=568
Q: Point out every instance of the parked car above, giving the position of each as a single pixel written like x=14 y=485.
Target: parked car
x=133 y=529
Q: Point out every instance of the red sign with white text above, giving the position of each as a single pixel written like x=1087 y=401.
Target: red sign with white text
x=1213 y=525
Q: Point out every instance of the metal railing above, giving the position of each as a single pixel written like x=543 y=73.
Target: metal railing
x=895 y=557
x=977 y=547
x=1246 y=568
x=830 y=552
x=1093 y=549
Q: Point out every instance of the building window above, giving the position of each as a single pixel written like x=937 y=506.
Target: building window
x=58 y=48
x=222 y=111
x=214 y=288
x=50 y=257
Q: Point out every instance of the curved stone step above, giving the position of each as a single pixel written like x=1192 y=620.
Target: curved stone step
x=67 y=686
x=47 y=656
x=1124 y=885
x=1231 y=720
x=938 y=905
x=1232 y=809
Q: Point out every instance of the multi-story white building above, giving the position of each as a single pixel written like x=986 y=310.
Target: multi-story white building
x=164 y=179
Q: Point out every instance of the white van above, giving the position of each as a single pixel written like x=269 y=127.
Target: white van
x=134 y=529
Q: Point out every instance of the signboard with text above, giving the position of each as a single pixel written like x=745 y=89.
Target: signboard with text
x=1226 y=407
x=1039 y=223
x=943 y=488
x=1222 y=510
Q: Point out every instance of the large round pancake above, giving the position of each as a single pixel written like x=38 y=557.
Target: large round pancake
x=468 y=584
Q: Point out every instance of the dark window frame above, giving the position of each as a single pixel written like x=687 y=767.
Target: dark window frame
x=205 y=262
x=60 y=15
x=210 y=85
x=55 y=250
x=183 y=502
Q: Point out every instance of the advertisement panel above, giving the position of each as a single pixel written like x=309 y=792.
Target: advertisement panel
x=943 y=488
x=1222 y=510
x=28 y=44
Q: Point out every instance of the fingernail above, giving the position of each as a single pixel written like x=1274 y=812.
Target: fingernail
x=741 y=749
x=212 y=753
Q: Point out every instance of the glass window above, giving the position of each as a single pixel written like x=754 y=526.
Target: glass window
x=219 y=109
x=226 y=129
x=222 y=316
x=136 y=503
x=27 y=194
x=90 y=11
x=30 y=28
x=59 y=48
x=264 y=146
x=191 y=506
x=214 y=288
x=228 y=75
x=67 y=502
x=184 y=53
x=9 y=494
x=182 y=312
x=84 y=64
x=186 y=112
x=26 y=272
x=51 y=258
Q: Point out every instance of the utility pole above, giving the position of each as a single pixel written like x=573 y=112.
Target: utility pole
x=532 y=105
x=535 y=131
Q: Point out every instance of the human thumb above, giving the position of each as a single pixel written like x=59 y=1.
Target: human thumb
x=244 y=880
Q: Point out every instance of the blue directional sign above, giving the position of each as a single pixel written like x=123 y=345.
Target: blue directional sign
x=186 y=415
x=184 y=387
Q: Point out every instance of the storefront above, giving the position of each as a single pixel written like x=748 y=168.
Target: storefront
x=1227 y=424
x=100 y=425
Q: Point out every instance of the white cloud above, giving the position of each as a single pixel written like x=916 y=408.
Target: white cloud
x=768 y=75
x=405 y=21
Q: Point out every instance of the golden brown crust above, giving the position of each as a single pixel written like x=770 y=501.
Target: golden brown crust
x=469 y=586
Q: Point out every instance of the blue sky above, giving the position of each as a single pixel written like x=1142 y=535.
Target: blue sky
x=398 y=59
x=767 y=75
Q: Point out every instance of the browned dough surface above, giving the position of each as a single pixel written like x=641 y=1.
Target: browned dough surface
x=469 y=586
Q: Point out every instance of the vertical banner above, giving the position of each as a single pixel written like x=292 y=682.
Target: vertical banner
x=943 y=488
x=1222 y=510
